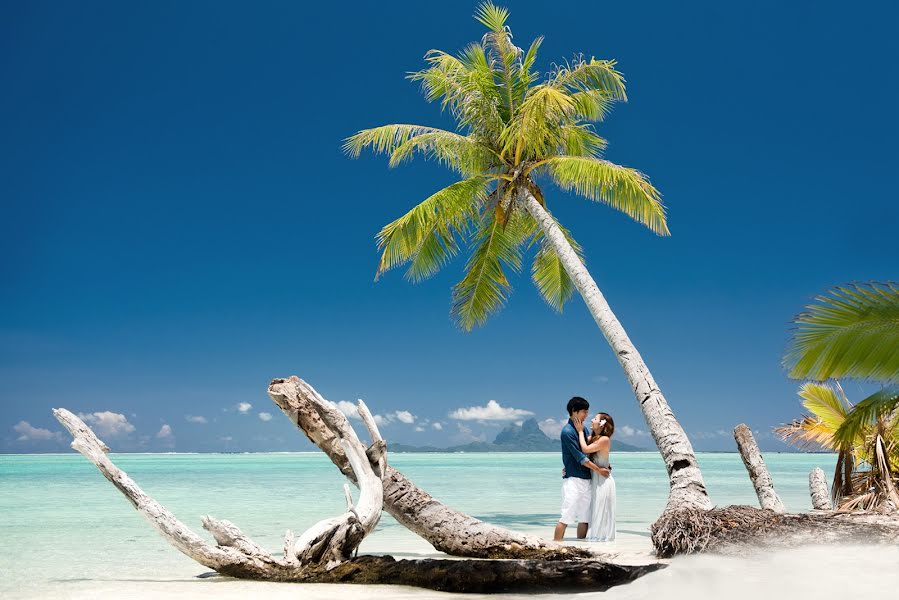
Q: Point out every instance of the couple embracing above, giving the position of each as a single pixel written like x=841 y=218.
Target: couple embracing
x=588 y=490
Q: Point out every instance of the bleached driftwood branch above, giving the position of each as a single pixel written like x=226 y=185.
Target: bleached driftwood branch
x=758 y=471
x=327 y=543
x=447 y=529
x=323 y=553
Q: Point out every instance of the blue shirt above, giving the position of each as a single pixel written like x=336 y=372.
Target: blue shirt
x=572 y=458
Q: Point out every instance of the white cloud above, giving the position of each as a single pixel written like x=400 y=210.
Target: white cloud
x=347 y=408
x=244 y=407
x=437 y=425
x=351 y=411
x=164 y=432
x=552 y=427
x=195 y=419
x=107 y=423
x=491 y=412
x=405 y=416
x=628 y=431
x=419 y=428
x=466 y=435
x=265 y=416
x=29 y=433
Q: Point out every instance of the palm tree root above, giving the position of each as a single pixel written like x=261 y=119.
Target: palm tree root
x=734 y=529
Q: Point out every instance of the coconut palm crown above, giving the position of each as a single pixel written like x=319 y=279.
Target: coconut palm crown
x=516 y=128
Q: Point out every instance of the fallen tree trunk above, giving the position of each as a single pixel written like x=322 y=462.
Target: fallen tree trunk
x=323 y=553
x=734 y=529
x=479 y=576
x=447 y=529
x=758 y=471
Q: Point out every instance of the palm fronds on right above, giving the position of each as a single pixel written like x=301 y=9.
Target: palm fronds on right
x=852 y=331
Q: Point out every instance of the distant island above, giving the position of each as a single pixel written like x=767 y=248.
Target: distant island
x=527 y=437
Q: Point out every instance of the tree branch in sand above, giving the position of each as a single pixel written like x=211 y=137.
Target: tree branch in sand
x=323 y=554
x=448 y=530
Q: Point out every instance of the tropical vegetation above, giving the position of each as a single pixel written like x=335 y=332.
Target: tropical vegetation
x=517 y=129
x=851 y=332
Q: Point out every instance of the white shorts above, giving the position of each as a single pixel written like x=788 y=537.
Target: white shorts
x=575 y=501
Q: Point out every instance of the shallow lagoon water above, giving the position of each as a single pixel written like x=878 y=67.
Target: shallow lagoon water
x=75 y=536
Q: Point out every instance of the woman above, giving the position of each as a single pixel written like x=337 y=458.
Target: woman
x=602 y=504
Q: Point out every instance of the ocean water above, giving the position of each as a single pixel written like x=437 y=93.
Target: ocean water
x=68 y=533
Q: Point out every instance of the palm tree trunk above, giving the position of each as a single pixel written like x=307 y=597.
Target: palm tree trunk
x=687 y=487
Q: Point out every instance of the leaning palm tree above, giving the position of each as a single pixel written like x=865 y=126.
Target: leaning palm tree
x=853 y=332
x=515 y=130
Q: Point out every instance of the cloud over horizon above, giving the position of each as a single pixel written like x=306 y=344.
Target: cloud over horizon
x=492 y=411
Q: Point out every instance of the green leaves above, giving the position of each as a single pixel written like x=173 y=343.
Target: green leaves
x=426 y=236
x=484 y=289
x=512 y=124
x=621 y=188
x=548 y=273
x=876 y=407
x=852 y=331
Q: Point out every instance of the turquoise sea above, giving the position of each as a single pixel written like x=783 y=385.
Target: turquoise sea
x=67 y=532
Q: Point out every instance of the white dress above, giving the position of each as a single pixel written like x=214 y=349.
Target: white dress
x=602 y=503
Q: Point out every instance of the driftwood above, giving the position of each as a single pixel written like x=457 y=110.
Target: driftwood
x=448 y=530
x=817 y=487
x=758 y=471
x=323 y=554
x=735 y=529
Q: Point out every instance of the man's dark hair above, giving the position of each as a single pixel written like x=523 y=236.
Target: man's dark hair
x=577 y=403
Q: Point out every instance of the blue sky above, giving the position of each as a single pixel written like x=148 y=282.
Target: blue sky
x=180 y=225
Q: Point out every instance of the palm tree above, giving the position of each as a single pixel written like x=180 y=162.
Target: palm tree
x=852 y=331
x=515 y=130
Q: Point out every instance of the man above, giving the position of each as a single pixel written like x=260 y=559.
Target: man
x=575 y=474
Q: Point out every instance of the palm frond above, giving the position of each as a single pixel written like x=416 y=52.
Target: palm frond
x=869 y=411
x=624 y=189
x=460 y=153
x=466 y=87
x=852 y=331
x=592 y=105
x=581 y=140
x=828 y=406
x=535 y=130
x=548 y=273
x=484 y=289
x=387 y=138
x=426 y=236
x=525 y=76
x=593 y=75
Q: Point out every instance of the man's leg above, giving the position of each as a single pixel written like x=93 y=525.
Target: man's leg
x=582 y=530
x=559 y=533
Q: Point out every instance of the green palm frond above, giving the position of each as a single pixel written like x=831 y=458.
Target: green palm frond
x=426 y=236
x=466 y=86
x=592 y=105
x=387 y=138
x=458 y=152
x=624 y=189
x=548 y=273
x=828 y=406
x=484 y=289
x=581 y=140
x=525 y=76
x=536 y=129
x=593 y=75
x=852 y=331
x=878 y=407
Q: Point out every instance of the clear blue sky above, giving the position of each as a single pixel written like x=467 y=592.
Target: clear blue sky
x=180 y=226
